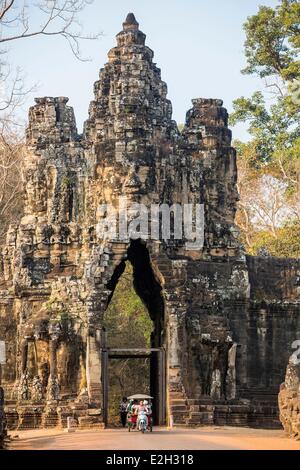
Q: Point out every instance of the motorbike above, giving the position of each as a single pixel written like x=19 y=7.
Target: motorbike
x=142 y=422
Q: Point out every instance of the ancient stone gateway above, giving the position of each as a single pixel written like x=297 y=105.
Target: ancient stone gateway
x=226 y=321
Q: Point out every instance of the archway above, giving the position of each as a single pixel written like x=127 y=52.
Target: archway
x=134 y=332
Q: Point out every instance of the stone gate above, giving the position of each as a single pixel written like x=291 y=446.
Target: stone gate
x=226 y=321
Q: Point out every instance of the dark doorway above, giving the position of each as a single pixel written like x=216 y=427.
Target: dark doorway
x=134 y=335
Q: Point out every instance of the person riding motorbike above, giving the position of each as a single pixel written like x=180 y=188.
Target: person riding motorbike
x=142 y=413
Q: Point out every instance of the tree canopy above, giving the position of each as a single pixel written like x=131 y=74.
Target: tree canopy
x=269 y=163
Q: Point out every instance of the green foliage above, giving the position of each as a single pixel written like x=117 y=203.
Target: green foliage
x=272 y=156
x=127 y=320
x=286 y=162
x=273 y=130
x=272 y=50
x=285 y=244
x=272 y=44
x=247 y=152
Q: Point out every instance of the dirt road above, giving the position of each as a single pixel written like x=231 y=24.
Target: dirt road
x=204 y=438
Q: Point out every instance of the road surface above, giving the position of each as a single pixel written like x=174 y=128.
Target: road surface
x=204 y=438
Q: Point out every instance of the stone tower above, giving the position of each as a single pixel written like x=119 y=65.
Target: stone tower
x=223 y=322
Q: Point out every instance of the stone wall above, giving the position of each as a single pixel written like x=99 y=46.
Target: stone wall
x=274 y=279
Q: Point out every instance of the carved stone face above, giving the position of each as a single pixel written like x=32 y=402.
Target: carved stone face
x=130 y=181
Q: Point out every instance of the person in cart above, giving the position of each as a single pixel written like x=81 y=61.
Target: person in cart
x=148 y=407
x=132 y=414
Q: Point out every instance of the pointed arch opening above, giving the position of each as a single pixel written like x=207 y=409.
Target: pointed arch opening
x=135 y=334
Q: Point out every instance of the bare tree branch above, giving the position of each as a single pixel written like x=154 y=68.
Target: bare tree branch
x=22 y=20
x=11 y=183
x=58 y=18
x=5 y=7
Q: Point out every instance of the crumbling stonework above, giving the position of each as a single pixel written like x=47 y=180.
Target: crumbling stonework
x=226 y=325
x=3 y=432
x=289 y=401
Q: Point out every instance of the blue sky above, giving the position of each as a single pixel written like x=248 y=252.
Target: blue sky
x=198 y=45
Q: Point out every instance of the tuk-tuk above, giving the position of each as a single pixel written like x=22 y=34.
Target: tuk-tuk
x=139 y=421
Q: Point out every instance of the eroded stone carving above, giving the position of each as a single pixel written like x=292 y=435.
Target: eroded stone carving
x=289 y=400
x=37 y=390
x=23 y=391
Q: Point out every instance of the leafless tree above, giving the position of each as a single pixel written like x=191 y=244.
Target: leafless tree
x=11 y=187
x=21 y=20
x=263 y=204
x=57 y=18
x=268 y=202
